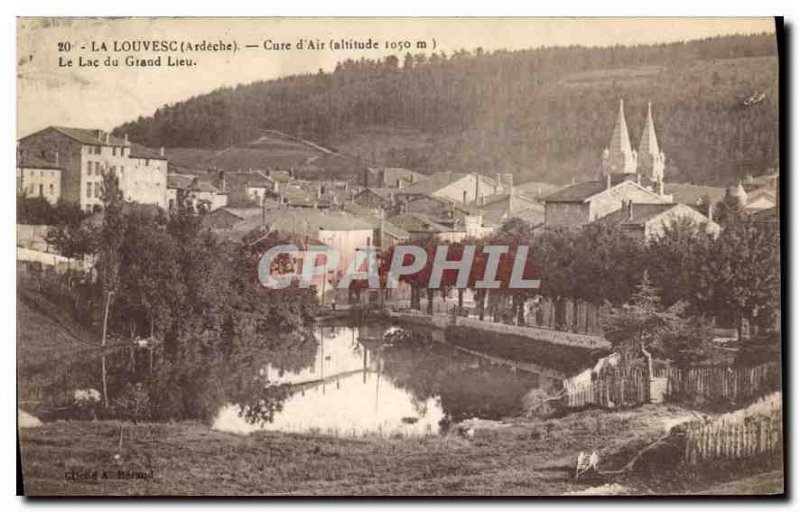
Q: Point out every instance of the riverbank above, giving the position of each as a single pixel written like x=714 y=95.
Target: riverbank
x=519 y=457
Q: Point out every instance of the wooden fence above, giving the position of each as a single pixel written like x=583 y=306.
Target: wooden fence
x=616 y=386
x=624 y=386
x=751 y=432
x=722 y=383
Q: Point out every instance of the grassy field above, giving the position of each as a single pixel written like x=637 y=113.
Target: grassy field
x=526 y=457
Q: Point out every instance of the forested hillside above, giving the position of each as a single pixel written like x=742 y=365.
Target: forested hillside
x=542 y=114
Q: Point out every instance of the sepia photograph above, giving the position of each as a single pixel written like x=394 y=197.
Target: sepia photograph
x=399 y=257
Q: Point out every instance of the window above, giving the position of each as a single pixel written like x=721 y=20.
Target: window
x=89 y=190
x=52 y=189
x=41 y=190
x=97 y=189
x=113 y=151
x=89 y=168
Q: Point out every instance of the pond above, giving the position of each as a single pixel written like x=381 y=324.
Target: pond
x=385 y=380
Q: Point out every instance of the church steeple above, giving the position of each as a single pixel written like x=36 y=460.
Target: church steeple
x=651 y=159
x=619 y=157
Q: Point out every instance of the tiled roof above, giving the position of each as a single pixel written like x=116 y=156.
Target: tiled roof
x=384 y=193
x=418 y=223
x=92 y=137
x=181 y=181
x=242 y=213
x=581 y=192
x=294 y=220
x=641 y=213
x=139 y=151
x=463 y=208
x=536 y=189
x=577 y=193
x=35 y=162
x=437 y=181
x=186 y=182
x=693 y=194
x=389 y=227
x=204 y=186
x=392 y=174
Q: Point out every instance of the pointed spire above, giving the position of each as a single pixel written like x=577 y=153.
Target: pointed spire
x=649 y=143
x=619 y=157
x=650 y=158
x=620 y=139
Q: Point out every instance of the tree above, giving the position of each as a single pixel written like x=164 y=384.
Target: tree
x=641 y=326
x=676 y=262
x=744 y=268
x=533 y=123
x=111 y=233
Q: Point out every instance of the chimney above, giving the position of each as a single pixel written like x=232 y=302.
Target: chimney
x=161 y=152
x=399 y=183
x=126 y=139
x=710 y=211
x=108 y=138
x=630 y=209
x=608 y=181
x=638 y=179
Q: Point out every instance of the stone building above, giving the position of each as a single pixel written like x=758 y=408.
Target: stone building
x=37 y=177
x=648 y=221
x=626 y=176
x=85 y=155
x=458 y=187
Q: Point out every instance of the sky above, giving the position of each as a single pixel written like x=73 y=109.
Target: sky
x=50 y=93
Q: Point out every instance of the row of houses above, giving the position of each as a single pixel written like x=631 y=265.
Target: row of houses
x=390 y=204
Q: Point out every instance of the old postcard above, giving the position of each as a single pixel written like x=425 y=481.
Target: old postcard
x=399 y=257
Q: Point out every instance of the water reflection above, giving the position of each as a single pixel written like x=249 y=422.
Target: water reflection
x=378 y=379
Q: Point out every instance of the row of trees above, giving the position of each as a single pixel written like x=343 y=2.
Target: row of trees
x=169 y=280
x=543 y=113
x=683 y=278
